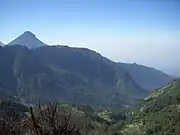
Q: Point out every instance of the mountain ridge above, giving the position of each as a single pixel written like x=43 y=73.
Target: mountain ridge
x=147 y=77
x=67 y=74
x=1 y=44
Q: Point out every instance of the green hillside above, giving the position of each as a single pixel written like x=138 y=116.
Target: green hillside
x=157 y=114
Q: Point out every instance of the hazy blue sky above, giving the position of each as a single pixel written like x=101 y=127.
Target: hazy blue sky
x=141 y=31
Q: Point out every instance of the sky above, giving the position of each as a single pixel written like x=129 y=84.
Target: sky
x=137 y=31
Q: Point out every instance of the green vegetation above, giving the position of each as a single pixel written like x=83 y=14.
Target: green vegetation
x=158 y=114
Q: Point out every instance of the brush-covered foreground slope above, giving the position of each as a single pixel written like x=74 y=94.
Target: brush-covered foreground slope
x=67 y=74
x=158 y=114
x=148 y=78
x=92 y=120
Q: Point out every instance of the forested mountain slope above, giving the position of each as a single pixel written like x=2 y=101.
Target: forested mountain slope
x=67 y=74
x=159 y=113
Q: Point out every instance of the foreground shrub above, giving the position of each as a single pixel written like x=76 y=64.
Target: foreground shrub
x=50 y=120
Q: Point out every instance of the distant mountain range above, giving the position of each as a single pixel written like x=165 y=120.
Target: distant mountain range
x=148 y=78
x=32 y=70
